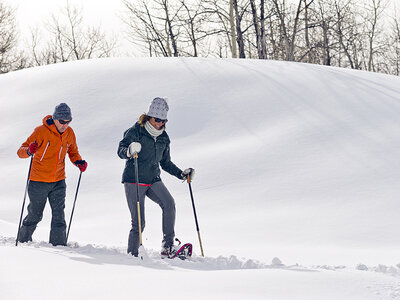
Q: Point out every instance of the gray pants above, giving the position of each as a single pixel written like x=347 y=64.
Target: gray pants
x=38 y=193
x=160 y=195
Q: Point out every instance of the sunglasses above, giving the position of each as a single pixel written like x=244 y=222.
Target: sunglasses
x=62 y=122
x=160 y=121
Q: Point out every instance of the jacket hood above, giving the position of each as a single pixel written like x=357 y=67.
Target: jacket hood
x=49 y=122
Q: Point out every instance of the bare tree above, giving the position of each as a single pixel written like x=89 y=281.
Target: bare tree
x=232 y=29
x=10 y=58
x=259 y=28
x=342 y=29
x=142 y=28
x=154 y=25
x=374 y=10
x=70 y=39
x=192 y=21
x=289 y=27
x=391 y=57
x=345 y=33
x=169 y=24
x=396 y=44
x=311 y=22
x=396 y=47
x=222 y=17
x=196 y=28
x=239 y=32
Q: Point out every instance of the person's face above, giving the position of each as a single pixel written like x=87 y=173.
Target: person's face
x=62 y=125
x=157 y=123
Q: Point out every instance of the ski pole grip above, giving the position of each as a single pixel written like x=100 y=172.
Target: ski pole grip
x=188 y=178
x=135 y=155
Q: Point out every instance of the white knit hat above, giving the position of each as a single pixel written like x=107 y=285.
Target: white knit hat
x=158 y=108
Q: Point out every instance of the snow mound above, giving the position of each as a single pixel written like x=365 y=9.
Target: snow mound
x=295 y=160
x=100 y=254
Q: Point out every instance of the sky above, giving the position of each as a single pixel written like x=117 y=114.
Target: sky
x=96 y=12
x=105 y=13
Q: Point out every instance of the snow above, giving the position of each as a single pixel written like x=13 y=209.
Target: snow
x=296 y=185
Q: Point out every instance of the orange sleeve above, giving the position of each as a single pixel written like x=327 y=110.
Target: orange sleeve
x=23 y=150
x=73 y=152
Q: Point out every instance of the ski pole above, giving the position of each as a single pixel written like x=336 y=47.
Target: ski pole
x=195 y=215
x=135 y=156
x=73 y=207
x=23 y=203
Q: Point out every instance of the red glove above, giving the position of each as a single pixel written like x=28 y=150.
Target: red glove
x=81 y=164
x=32 y=148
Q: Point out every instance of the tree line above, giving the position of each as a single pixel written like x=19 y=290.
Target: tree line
x=363 y=35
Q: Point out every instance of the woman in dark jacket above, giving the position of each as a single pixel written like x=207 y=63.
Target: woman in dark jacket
x=149 y=140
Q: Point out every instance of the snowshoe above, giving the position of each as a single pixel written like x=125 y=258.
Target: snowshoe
x=182 y=252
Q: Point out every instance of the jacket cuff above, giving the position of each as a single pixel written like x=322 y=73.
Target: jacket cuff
x=180 y=176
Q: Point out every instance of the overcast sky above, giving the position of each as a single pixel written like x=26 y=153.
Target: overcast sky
x=33 y=13
x=104 y=13
x=30 y=13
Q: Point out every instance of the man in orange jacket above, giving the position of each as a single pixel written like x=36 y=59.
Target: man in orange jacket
x=49 y=144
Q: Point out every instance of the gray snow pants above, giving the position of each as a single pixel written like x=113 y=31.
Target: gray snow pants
x=38 y=193
x=160 y=195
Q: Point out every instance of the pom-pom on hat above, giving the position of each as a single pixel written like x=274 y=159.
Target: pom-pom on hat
x=62 y=112
x=158 y=108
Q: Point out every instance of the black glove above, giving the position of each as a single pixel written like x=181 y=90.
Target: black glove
x=188 y=171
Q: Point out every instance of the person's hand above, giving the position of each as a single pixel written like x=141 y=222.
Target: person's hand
x=188 y=172
x=81 y=164
x=32 y=148
x=133 y=148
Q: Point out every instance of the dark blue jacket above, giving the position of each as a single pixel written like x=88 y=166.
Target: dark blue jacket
x=153 y=154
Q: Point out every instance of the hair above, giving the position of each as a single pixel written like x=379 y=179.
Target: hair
x=145 y=118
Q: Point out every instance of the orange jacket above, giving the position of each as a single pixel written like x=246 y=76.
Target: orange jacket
x=49 y=160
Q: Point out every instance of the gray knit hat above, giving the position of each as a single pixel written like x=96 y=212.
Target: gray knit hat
x=158 y=108
x=62 y=112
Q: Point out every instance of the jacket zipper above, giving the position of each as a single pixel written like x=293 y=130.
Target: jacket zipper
x=66 y=151
x=48 y=143
x=55 y=167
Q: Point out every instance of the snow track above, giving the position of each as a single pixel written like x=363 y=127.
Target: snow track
x=89 y=270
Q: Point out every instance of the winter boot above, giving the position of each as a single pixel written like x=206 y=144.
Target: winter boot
x=171 y=251
x=25 y=234
x=133 y=243
x=168 y=252
x=58 y=236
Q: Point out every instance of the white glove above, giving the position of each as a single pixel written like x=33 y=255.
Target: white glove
x=188 y=171
x=133 y=148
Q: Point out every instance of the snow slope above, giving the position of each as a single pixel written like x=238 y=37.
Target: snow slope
x=292 y=161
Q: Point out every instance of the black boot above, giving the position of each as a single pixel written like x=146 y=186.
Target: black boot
x=58 y=237
x=133 y=243
x=25 y=233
